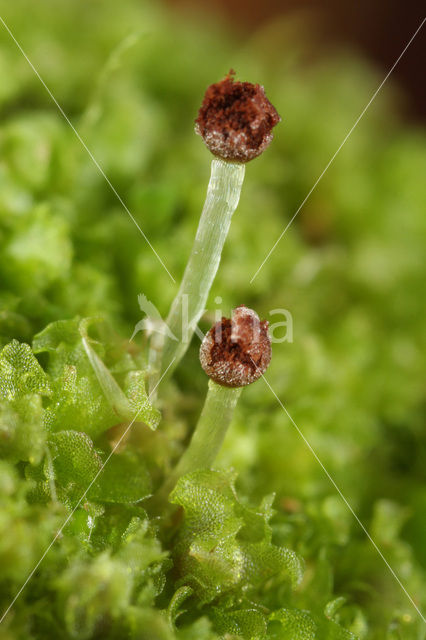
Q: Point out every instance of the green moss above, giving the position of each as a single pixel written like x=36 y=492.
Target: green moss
x=349 y=269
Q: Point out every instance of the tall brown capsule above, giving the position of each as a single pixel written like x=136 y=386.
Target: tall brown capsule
x=236 y=119
x=236 y=351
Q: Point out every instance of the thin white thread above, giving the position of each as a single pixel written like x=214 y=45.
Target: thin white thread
x=345 y=501
x=59 y=532
x=340 y=147
x=95 y=162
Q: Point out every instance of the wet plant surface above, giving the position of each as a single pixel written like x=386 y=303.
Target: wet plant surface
x=262 y=546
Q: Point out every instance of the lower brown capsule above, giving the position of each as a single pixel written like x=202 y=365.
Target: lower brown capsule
x=236 y=351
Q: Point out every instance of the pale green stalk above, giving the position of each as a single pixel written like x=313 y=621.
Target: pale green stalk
x=209 y=433
x=223 y=194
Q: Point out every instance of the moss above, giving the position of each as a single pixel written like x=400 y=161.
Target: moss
x=349 y=269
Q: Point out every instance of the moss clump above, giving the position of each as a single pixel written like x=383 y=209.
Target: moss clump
x=348 y=269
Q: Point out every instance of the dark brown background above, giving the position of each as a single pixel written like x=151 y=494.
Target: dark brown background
x=380 y=30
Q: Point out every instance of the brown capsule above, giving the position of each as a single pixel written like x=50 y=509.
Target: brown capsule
x=236 y=119
x=236 y=352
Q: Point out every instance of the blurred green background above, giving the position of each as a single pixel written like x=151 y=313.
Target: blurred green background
x=130 y=77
